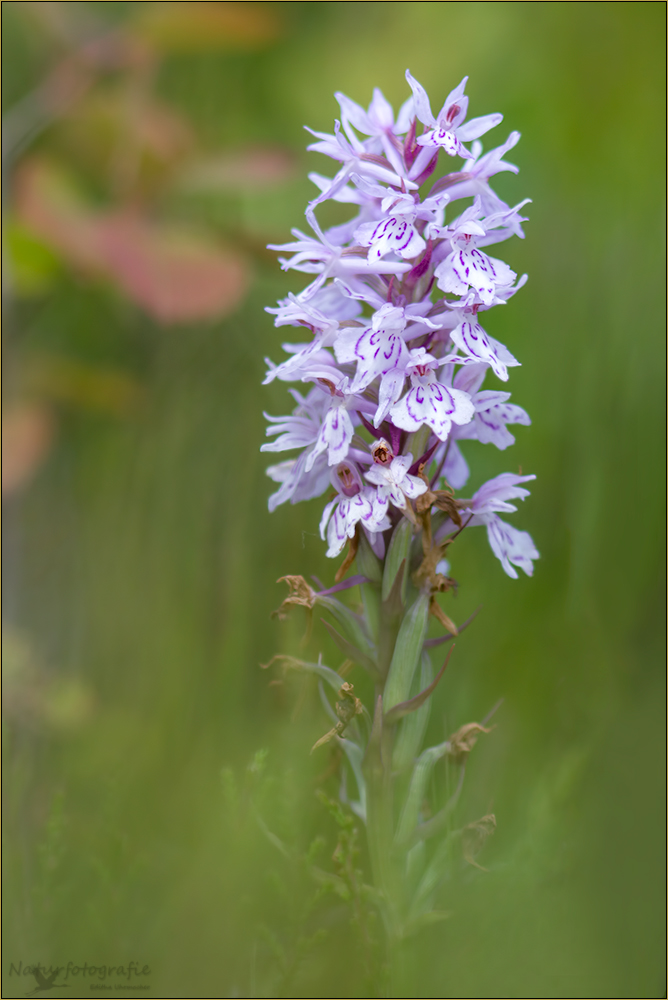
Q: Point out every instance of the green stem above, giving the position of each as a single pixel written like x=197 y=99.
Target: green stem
x=380 y=811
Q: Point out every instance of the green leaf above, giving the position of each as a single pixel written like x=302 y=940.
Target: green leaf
x=407 y=652
x=417 y=442
x=333 y=679
x=416 y=859
x=413 y=704
x=416 y=791
x=371 y=600
x=437 y=823
x=352 y=652
x=436 y=871
x=351 y=623
x=397 y=552
x=355 y=756
x=411 y=730
x=368 y=562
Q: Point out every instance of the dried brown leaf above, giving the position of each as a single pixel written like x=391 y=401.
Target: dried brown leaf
x=463 y=741
x=300 y=594
x=474 y=836
x=437 y=611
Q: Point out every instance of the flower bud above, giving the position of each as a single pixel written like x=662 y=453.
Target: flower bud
x=346 y=479
x=382 y=452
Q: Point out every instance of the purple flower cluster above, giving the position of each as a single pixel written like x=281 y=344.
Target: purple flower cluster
x=396 y=354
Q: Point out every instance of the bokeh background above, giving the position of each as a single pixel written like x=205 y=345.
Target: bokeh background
x=150 y=153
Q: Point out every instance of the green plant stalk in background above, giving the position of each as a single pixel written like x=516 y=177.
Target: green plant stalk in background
x=383 y=746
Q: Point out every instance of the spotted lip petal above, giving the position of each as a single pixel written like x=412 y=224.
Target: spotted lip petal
x=511 y=546
x=434 y=404
x=396 y=234
x=474 y=341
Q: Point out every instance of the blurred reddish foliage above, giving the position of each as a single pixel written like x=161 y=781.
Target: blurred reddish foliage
x=27 y=434
x=174 y=273
x=121 y=141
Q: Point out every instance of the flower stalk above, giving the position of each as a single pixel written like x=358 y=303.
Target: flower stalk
x=392 y=358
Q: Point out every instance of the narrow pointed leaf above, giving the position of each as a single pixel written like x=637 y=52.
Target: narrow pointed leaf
x=368 y=562
x=325 y=703
x=407 y=652
x=436 y=871
x=371 y=601
x=351 y=623
x=391 y=614
x=438 y=822
x=355 y=756
x=411 y=729
x=393 y=603
x=406 y=707
x=439 y=640
x=416 y=790
x=397 y=552
x=290 y=662
x=373 y=758
x=351 y=651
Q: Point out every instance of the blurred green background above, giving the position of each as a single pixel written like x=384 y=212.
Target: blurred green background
x=151 y=151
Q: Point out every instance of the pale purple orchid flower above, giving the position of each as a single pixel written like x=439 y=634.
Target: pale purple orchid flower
x=296 y=313
x=315 y=256
x=377 y=349
x=394 y=482
x=374 y=316
x=511 y=546
x=297 y=482
x=492 y=414
x=473 y=179
x=378 y=123
x=337 y=429
x=396 y=231
x=470 y=337
x=300 y=428
x=431 y=402
x=468 y=267
x=356 y=503
x=355 y=158
x=447 y=129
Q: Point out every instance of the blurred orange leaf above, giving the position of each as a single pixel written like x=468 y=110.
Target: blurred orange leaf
x=27 y=434
x=174 y=273
x=192 y=27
